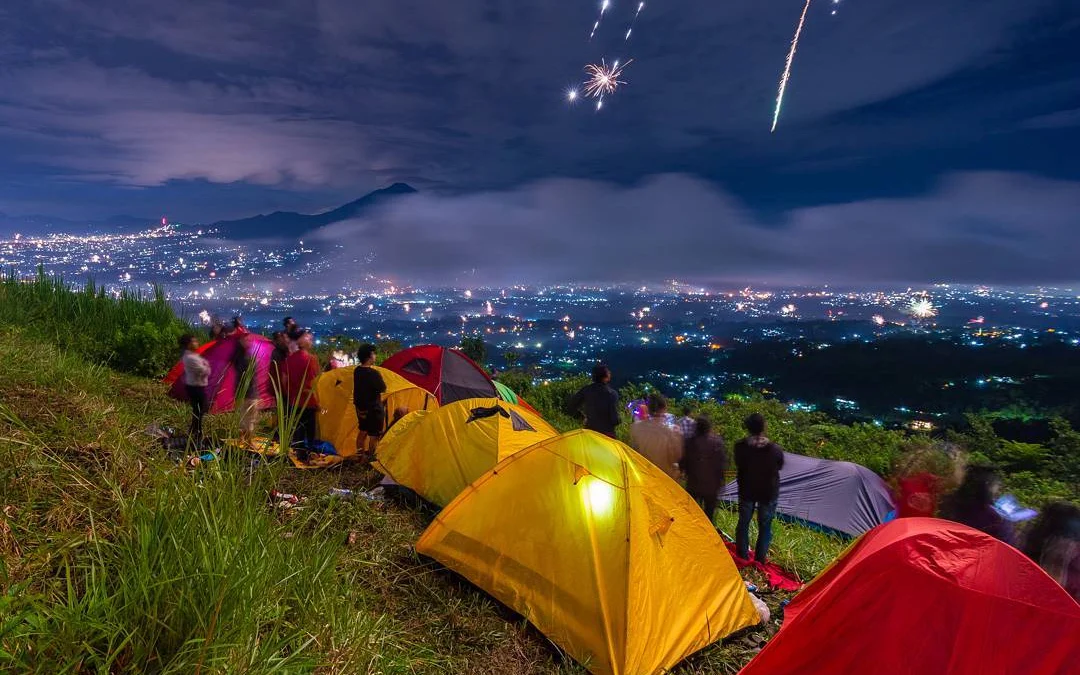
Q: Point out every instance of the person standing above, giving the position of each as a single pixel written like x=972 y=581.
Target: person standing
x=652 y=438
x=758 y=462
x=704 y=461
x=246 y=371
x=972 y=504
x=298 y=377
x=597 y=402
x=368 y=388
x=686 y=424
x=293 y=332
x=196 y=377
x=1053 y=541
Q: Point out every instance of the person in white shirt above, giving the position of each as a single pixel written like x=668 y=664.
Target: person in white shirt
x=196 y=377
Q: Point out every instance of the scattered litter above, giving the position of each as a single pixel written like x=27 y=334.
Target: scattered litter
x=375 y=494
x=761 y=607
x=342 y=493
x=284 y=497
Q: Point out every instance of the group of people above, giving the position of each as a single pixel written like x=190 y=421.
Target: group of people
x=294 y=368
x=687 y=449
x=197 y=378
x=692 y=451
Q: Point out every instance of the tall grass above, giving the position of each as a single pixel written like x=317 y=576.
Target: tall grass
x=128 y=330
x=201 y=579
x=113 y=559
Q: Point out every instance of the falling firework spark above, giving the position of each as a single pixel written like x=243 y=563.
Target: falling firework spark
x=603 y=8
x=604 y=79
x=641 y=6
x=787 y=66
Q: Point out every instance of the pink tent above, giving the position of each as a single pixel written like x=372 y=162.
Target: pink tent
x=221 y=388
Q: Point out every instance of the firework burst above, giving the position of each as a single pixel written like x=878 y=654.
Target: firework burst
x=604 y=79
x=787 y=66
x=922 y=308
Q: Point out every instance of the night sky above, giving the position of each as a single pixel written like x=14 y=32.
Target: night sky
x=919 y=141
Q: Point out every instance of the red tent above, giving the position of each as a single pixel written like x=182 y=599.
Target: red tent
x=221 y=388
x=446 y=373
x=918 y=596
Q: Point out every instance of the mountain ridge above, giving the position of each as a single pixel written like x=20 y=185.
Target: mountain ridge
x=291 y=223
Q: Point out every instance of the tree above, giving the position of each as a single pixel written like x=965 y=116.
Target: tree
x=384 y=349
x=473 y=346
x=511 y=358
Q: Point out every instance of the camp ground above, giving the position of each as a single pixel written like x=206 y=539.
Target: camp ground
x=838 y=497
x=614 y=563
x=437 y=453
x=597 y=548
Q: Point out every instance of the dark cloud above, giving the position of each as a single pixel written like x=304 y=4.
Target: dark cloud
x=197 y=108
x=972 y=227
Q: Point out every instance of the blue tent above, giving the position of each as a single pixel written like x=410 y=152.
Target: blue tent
x=836 y=496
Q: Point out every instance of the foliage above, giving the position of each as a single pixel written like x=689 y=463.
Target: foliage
x=127 y=330
x=384 y=349
x=511 y=357
x=200 y=578
x=473 y=346
x=326 y=347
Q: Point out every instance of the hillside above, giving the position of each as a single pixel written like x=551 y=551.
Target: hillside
x=116 y=558
x=96 y=516
x=289 y=224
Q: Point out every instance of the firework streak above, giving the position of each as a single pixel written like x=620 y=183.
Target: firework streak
x=641 y=6
x=787 y=66
x=603 y=8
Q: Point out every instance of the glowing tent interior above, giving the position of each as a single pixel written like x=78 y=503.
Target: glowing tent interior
x=599 y=549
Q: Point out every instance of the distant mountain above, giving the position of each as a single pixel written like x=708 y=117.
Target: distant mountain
x=287 y=223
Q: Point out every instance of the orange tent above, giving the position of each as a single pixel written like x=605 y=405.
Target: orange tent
x=918 y=596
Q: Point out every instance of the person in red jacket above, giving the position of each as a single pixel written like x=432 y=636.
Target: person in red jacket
x=298 y=375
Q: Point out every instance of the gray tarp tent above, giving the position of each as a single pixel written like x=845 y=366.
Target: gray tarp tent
x=839 y=496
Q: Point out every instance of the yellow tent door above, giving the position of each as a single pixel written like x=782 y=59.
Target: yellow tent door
x=600 y=550
x=337 y=415
x=437 y=454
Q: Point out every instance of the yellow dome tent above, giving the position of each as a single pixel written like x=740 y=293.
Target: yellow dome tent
x=438 y=453
x=600 y=550
x=337 y=416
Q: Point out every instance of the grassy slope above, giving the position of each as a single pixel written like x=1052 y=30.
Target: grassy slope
x=115 y=560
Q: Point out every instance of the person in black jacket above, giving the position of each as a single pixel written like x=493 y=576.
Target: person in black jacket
x=598 y=402
x=704 y=462
x=758 y=462
x=368 y=388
